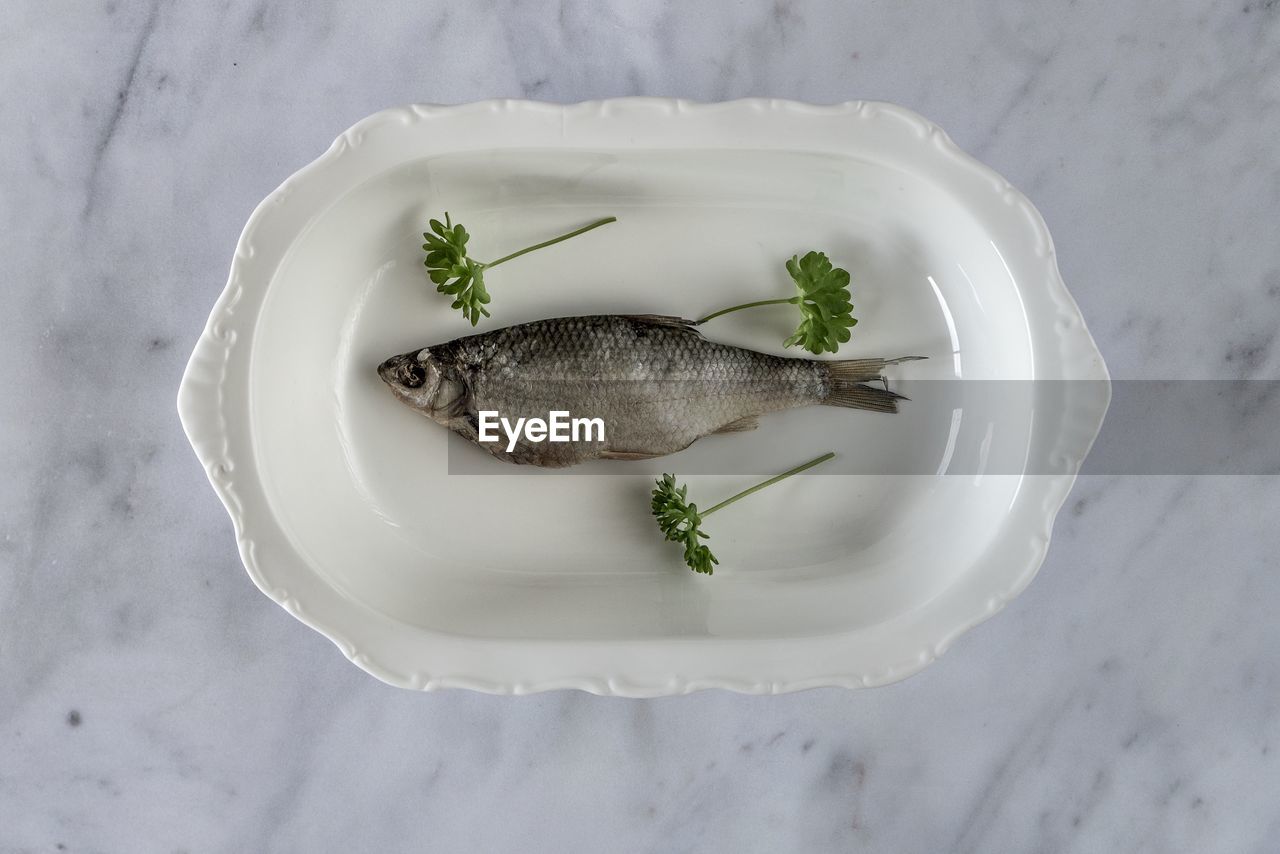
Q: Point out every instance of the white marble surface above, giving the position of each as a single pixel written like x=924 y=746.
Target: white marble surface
x=152 y=700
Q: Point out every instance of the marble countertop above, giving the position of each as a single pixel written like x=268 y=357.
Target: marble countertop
x=152 y=700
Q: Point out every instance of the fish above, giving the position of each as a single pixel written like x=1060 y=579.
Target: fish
x=657 y=384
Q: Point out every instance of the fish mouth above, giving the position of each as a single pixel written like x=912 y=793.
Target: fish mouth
x=402 y=372
x=387 y=369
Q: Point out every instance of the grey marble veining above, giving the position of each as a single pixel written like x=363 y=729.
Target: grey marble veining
x=152 y=700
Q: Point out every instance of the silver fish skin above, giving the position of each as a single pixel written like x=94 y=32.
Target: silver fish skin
x=655 y=381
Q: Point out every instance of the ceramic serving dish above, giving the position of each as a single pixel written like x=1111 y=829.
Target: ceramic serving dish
x=429 y=567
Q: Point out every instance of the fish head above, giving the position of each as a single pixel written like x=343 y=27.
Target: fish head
x=426 y=382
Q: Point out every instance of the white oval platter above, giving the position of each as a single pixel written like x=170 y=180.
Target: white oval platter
x=431 y=568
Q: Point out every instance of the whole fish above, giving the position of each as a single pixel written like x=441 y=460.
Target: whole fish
x=654 y=381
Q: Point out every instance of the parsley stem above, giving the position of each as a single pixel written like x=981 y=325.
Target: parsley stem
x=770 y=482
x=552 y=241
x=745 y=305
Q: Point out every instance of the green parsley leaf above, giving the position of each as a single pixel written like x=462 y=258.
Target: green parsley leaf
x=459 y=275
x=824 y=303
x=823 y=299
x=681 y=522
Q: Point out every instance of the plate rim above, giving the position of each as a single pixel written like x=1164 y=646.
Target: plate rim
x=215 y=384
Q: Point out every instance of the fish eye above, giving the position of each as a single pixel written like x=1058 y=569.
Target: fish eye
x=412 y=375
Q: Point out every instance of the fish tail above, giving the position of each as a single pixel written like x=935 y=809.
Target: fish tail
x=864 y=397
x=847 y=384
x=864 y=370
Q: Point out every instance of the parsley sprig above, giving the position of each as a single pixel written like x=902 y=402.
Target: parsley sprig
x=822 y=295
x=681 y=522
x=457 y=274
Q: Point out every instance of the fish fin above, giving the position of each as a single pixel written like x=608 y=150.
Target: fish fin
x=667 y=320
x=864 y=370
x=742 y=425
x=627 y=455
x=466 y=426
x=864 y=397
